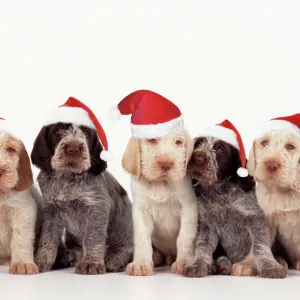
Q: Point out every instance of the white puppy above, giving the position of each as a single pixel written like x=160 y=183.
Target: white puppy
x=164 y=203
x=18 y=207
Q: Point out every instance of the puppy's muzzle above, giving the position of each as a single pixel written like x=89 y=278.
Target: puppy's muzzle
x=200 y=159
x=272 y=166
x=73 y=149
x=165 y=165
x=2 y=170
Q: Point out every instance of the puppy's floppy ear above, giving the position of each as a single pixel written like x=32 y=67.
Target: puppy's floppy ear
x=251 y=164
x=97 y=164
x=131 y=161
x=189 y=149
x=24 y=171
x=41 y=154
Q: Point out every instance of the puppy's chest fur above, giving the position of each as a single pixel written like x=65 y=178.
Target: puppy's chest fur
x=163 y=206
x=222 y=204
x=71 y=196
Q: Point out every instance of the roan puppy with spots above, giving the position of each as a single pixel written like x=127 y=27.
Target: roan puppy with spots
x=164 y=203
x=229 y=215
x=274 y=163
x=20 y=203
x=80 y=195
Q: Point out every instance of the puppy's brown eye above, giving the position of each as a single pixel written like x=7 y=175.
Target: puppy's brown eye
x=152 y=141
x=289 y=147
x=9 y=149
x=264 y=143
x=178 y=142
x=220 y=150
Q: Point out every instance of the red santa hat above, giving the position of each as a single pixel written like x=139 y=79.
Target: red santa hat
x=9 y=128
x=152 y=115
x=289 y=123
x=75 y=112
x=226 y=132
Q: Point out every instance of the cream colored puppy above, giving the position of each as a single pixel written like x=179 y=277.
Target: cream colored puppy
x=274 y=164
x=164 y=203
x=18 y=207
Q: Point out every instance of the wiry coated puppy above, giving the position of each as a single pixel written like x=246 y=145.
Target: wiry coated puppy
x=228 y=210
x=274 y=163
x=164 y=203
x=19 y=203
x=80 y=195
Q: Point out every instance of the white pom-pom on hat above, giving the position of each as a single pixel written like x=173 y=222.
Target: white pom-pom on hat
x=242 y=172
x=114 y=114
x=107 y=155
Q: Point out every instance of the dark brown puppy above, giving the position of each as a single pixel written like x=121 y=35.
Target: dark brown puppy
x=228 y=214
x=81 y=197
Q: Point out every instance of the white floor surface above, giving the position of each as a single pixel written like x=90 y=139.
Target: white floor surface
x=65 y=285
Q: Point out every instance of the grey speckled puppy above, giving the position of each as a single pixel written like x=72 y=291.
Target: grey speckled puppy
x=229 y=215
x=81 y=197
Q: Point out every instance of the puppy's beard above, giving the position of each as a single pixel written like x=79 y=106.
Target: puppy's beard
x=8 y=181
x=64 y=163
x=284 y=177
x=204 y=176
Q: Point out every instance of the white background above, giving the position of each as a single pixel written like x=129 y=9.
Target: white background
x=215 y=59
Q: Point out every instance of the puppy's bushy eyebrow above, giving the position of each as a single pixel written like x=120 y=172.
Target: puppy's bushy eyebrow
x=198 y=141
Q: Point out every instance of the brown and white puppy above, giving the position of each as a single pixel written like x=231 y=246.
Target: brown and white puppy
x=274 y=163
x=19 y=203
x=164 y=203
x=83 y=198
x=228 y=215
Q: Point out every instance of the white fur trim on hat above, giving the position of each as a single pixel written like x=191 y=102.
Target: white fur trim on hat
x=221 y=133
x=106 y=155
x=276 y=125
x=157 y=130
x=8 y=128
x=74 y=115
x=114 y=114
x=242 y=172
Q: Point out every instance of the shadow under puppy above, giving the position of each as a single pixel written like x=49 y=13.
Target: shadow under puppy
x=228 y=210
x=164 y=203
x=20 y=203
x=80 y=196
x=274 y=163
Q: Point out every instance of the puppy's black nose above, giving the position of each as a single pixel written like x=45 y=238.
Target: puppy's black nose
x=73 y=149
x=166 y=165
x=272 y=165
x=200 y=159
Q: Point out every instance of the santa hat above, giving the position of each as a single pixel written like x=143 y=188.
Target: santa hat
x=289 y=123
x=152 y=115
x=7 y=127
x=226 y=132
x=75 y=112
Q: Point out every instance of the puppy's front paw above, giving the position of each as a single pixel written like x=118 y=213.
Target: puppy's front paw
x=23 y=269
x=178 y=266
x=115 y=265
x=197 y=269
x=296 y=264
x=223 y=266
x=86 y=268
x=242 y=269
x=134 y=269
x=274 y=270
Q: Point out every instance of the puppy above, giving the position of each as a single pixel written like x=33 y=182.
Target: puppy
x=274 y=163
x=164 y=203
x=19 y=204
x=228 y=214
x=83 y=198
